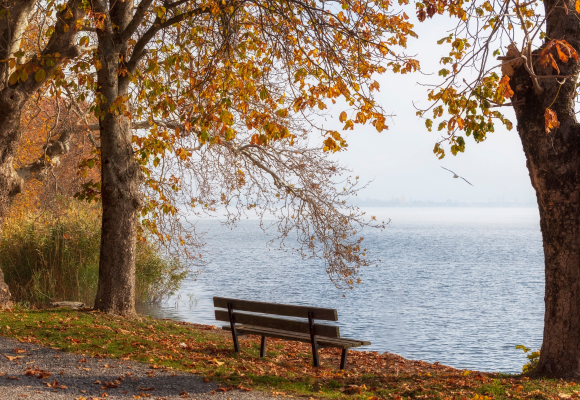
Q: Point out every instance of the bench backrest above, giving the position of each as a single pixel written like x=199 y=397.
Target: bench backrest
x=287 y=310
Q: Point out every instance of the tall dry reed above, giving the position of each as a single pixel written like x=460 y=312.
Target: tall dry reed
x=47 y=257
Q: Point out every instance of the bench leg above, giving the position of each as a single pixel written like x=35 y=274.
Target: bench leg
x=343 y=359
x=233 y=327
x=263 y=347
x=315 y=361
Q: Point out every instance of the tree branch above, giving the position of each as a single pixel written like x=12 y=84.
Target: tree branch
x=138 y=50
x=137 y=19
x=53 y=152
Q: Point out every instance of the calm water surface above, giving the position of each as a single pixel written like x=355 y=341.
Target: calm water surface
x=462 y=286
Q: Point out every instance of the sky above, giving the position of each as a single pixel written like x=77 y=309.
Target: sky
x=400 y=161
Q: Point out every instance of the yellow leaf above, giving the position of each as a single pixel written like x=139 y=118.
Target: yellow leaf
x=551 y=120
x=343 y=116
x=504 y=87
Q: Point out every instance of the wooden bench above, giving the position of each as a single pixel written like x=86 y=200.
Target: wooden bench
x=319 y=335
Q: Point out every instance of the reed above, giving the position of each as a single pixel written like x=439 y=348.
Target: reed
x=47 y=256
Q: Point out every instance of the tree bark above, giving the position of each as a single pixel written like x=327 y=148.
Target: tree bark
x=553 y=161
x=13 y=24
x=121 y=175
x=11 y=103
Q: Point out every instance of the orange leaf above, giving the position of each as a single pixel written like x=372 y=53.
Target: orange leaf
x=563 y=57
x=551 y=120
x=578 y=6
x=569 y=47
x=554 y=65
x=504 y=87
x=544 y=54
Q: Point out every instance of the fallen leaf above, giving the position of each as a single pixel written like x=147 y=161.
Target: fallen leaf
x=39 y=373
x=146 y=389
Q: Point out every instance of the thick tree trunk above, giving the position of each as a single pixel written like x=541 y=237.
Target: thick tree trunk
x=120 y=195
x=120 y=174
x=11 y=103
x=13 y=24
x=553 y=160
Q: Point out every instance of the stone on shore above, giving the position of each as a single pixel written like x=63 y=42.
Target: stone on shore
x=75 y=305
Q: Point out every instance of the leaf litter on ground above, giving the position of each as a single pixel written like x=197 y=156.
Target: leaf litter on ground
x=286 y=371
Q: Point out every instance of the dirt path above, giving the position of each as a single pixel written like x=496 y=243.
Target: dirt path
x=29 y=371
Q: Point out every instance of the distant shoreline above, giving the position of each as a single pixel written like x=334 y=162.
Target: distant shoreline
x=401 y=202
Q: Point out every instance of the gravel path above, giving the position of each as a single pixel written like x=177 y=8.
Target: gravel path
x=24 y=370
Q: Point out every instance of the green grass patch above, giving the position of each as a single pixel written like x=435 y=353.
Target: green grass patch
x=286 y=370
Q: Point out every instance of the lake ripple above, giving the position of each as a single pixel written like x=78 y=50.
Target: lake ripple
x=462 y=286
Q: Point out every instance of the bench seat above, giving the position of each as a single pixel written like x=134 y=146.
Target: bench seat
x=341 y=343
x=248 y=317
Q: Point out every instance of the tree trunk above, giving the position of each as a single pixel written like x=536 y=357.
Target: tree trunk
x=13 y=23
x=120 y=196
x=120 y=174
x=11 y=104
x=553 y=161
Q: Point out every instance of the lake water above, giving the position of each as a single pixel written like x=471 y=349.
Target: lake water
x=462 y=286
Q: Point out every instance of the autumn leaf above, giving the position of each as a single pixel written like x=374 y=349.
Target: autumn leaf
x=553 y=61
x=40 y=75
x=564 y=49
x=561 y=55
x=421 y=15
x=504 y=87
x=551 y=120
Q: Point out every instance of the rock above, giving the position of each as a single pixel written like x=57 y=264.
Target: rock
x=5 y=297
x=68 y=304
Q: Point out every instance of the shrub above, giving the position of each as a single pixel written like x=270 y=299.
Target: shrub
x=534 y=358
x=49 y=257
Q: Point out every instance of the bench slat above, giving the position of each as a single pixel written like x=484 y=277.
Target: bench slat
x=326 y=314
x=278 y=323
x=342 y=343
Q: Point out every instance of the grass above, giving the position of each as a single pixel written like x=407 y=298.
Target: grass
x=286 y=371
